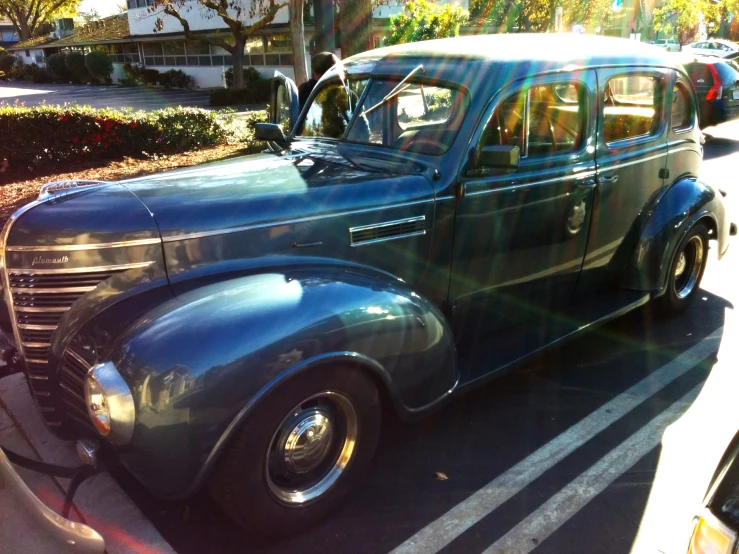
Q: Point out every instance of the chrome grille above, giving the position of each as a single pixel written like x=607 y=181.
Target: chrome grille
x=71 y=383
x=39 y=300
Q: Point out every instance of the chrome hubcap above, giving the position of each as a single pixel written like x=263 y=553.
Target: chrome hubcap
x=311 y=448
x=688 y=267
x=308 y=443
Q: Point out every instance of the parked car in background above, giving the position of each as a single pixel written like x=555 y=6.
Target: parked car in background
x=714 y=47
x=717 y=524
x=435 y=215
x=716 y=84
x=667 y=44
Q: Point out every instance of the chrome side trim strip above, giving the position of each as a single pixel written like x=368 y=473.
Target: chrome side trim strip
x=33 y=310
x=37 y=344
x=74 y=270
x=385 y=239
x=203 y=234
x=38 y=377
x=61 y=290
x=387 y=224
x=619 y=165
x=572 y=177
x=36 y=327
x=75 y=247
x=32 y=361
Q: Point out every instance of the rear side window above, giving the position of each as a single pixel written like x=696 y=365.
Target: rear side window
x=699 y=74
x=630 y=107
x=543 y=120
x=681 y=108
x=727 y=73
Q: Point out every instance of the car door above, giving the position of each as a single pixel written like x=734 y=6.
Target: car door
x=631 y=158
x=520 y=235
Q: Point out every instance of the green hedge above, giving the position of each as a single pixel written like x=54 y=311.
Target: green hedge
x=174 y=78
x=256 y=92
x=250 y=75
x=50 y=134
x=57 y=64
x=100 y=65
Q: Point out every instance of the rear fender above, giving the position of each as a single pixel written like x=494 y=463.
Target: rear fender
x=685 y=203
x=198 y=364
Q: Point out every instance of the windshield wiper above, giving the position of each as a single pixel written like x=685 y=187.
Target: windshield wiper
x=400 y=87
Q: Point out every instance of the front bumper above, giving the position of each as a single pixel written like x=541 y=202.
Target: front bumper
x=63 y=535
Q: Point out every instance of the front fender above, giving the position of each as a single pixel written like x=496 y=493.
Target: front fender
x=197 y=364
x=682 y=205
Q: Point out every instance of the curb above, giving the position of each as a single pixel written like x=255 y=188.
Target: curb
x=103 y=504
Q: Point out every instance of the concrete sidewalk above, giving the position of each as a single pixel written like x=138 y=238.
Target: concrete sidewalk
x=99 y=502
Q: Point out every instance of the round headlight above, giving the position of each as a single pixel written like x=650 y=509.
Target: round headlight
x=97 y=405
x=110 y=403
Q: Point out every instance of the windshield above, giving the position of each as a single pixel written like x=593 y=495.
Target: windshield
x=423 y=117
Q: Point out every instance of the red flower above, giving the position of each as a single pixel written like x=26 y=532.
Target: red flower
x=133 y=125
x=75 y=140
x=97 y=137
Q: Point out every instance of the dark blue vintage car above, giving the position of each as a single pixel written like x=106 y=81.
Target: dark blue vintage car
x=438 y=213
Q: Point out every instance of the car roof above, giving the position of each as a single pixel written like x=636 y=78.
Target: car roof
x=554 y=50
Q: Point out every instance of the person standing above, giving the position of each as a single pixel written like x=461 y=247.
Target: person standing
x=320 y=63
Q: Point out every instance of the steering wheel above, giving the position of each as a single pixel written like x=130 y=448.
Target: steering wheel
x=425 y=146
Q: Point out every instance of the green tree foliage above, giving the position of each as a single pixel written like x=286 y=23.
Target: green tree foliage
x=27 y=16
x=99 y=65
x=679 y=18
x=423 y=20
x=538 y=15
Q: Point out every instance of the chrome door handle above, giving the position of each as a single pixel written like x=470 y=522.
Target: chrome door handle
x=611 y=179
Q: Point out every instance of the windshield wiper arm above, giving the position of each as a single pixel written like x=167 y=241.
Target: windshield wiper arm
x=400 y=87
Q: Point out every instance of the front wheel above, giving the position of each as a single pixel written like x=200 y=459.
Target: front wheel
x=686 y=272
x=300 y=452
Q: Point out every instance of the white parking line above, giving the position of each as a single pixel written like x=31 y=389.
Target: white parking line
x=464 y=515
x=551 y=515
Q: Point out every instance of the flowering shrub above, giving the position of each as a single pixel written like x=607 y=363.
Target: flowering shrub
x=50 y=134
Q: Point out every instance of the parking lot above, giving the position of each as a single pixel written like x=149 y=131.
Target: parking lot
x=604 y=445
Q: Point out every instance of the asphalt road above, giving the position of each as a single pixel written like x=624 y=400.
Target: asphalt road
x=568 y=455
x=137 y=98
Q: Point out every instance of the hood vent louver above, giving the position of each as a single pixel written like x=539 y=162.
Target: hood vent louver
x=390 y=230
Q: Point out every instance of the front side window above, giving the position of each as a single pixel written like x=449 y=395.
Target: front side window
x=413 y=116
x=543 y=120
x=630 y=107
x=331 y=110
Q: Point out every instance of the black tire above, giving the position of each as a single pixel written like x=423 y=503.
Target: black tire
x=240 y=484
x=683 y=287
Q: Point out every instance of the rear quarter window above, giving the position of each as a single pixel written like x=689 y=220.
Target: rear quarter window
x=728 y=74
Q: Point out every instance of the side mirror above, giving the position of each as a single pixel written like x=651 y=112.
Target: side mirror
x=497 y=157
x=271 y=132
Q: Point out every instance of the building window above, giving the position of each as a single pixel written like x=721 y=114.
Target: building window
x=139 y=3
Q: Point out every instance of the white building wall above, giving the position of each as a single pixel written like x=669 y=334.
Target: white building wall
x=142 y=22
x=118 y=72
x=396 y=6
x=210 y=77
x=31 y=57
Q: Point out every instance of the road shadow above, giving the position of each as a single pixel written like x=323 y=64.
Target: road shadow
x=718 y=147
x=476 y=438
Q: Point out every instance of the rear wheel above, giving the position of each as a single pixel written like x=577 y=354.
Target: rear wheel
x=686 y=272
x=300 y=452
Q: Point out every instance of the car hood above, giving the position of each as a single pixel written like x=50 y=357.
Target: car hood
x=264 y=189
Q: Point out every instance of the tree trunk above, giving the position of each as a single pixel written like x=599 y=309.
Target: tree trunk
x=297 y=31
x=356 y=27
x=238 y=56
x=23 y=31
